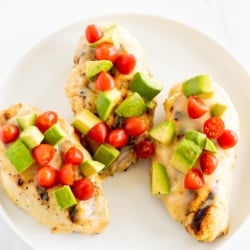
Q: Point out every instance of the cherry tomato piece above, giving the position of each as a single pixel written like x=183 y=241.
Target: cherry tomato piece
x=196 y=107
x=104 y=81
x=144 y=149
x=45 y=120
x=46 y=176
x=93 y=33
x=208 y=163
x=99 y=132
x=228 y=139
x=73 y=156
x=118 y=137
x=83 y=189
x=106 y=51
x=66 y=174
x=125 y=63
x=214 y=127
x=194 y=179
x=135 y=126
x=9 y=133
x=43 y=153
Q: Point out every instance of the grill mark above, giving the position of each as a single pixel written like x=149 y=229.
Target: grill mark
x=42 y=192
x=73 y=214
x=198 y=218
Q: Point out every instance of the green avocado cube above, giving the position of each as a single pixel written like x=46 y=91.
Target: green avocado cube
x=185 y=155
x=106 y=154
x=160 y=183
x=93 y=68
x=64 y=197
x=106 y=101
x=218 y=109
x=90 y=167
x=20 y=156
x=133 y=105
x=163 y=132
x=54 y=134
x=146 y=86
x=31 y=136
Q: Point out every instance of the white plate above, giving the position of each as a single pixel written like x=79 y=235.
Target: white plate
x=139 y=221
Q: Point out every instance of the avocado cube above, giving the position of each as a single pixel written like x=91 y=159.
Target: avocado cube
x=31 y=136
x=133 y=105
x=93 y=68
x=185 y=155
x=90 y=167
x=84 y=121
x=218 y=109
x=106 y=101
x=19 y=156
x=106 y=154
x=64 y=197
x=210 y=146
x=199 y=86
x=54 y=134
x=26 y=120
x=146 y=86
x=197 y=137
x=163 y=132
x=160 y=183
x=110 y=35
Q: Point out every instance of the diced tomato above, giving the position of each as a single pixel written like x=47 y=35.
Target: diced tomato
x=125 y=63
x=43 y=153
x=213 y=127
x=135 y=126
x=106 y=51
x=104 y=81
x=66 y=174
x=196 y=107
x=9 y=133
x=73 y=156
x=99 y=132
x=208 y=163
x=194 y=179
x=45 y=120
x=228 y=139
x=83 y=189
x=145 y=149
x=47 y=176
x=93 y=33
x=118 y=137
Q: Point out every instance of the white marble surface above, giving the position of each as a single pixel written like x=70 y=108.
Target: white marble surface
x=23 y=23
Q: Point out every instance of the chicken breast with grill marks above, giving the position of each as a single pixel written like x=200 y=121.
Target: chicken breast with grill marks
x=204 y=212
x=87 y=216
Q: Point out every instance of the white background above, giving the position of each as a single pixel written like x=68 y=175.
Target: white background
x=23 y=23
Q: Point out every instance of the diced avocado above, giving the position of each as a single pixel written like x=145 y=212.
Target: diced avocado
x=218 y=109
x=197 y=137
x=201 y=140
x=19 y=156
x=64 y=197
x=54 y=134
x=146 y=86
x=106 y=101
x=31 y=136
x=27 y=120
x=210 y=146
x=85 y=120
x=106 y=154
x=133 y=105
x=110 y=35
x=90 y=167
x=93 y=68
x=185 y=155
x=164 y=132
x=160 y=183
x=199 y=86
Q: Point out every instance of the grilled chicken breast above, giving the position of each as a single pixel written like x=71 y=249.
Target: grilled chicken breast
x=86 y=216
x=83 y=93
x=204 y=212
